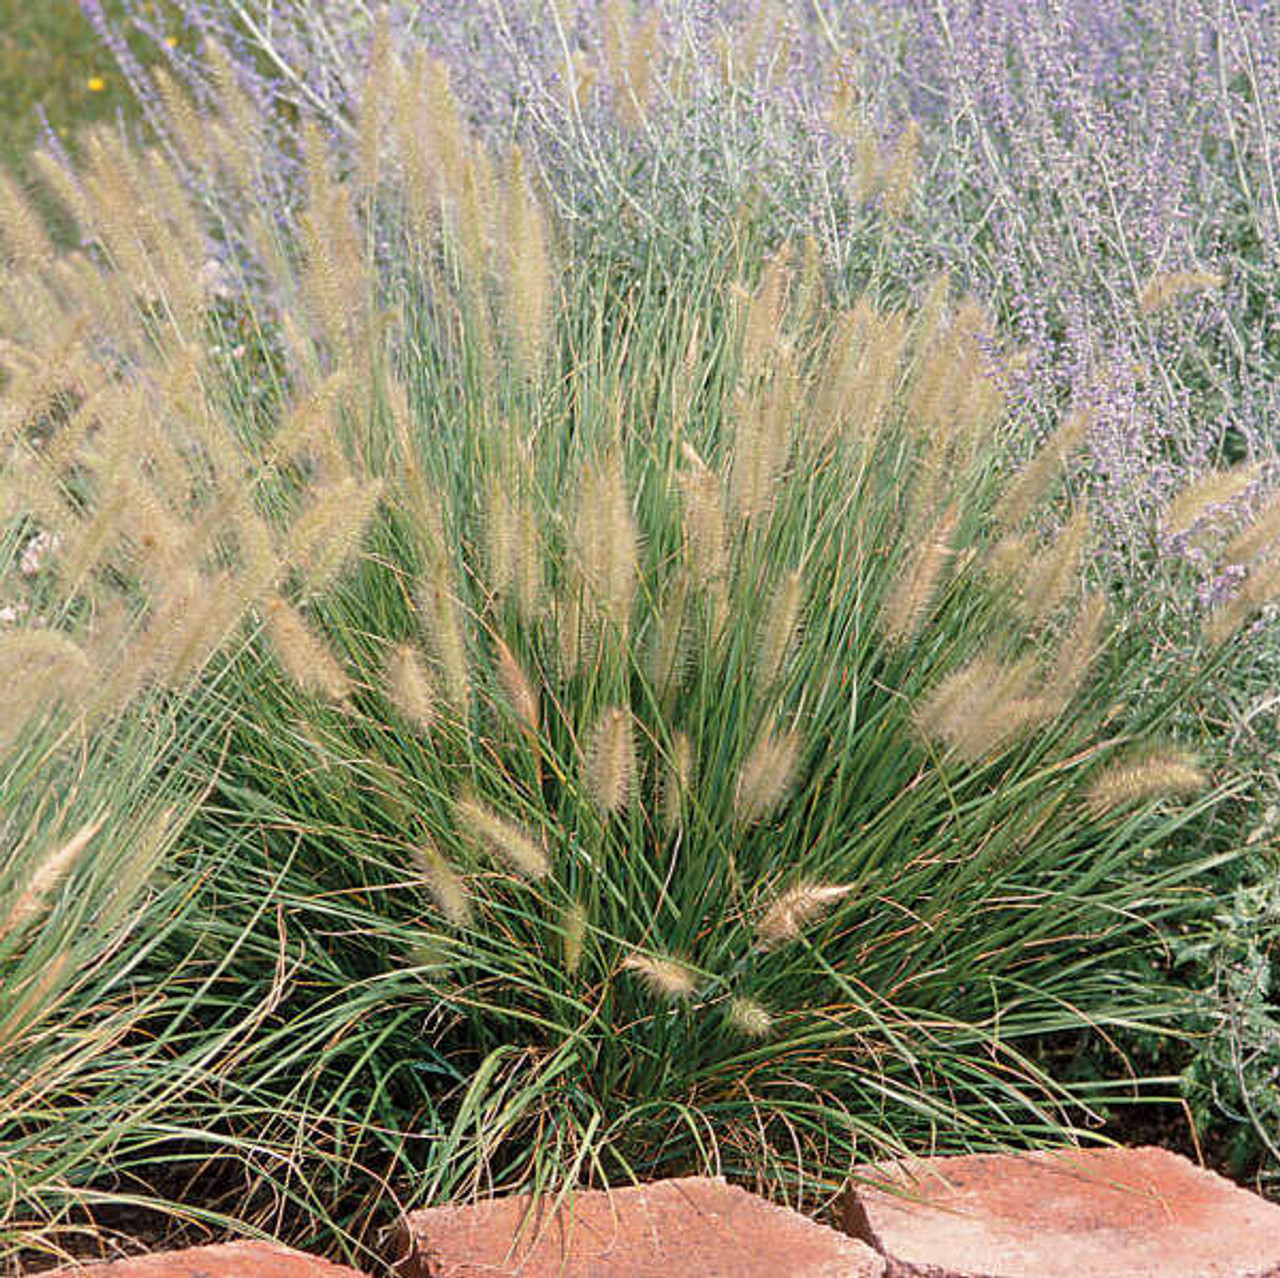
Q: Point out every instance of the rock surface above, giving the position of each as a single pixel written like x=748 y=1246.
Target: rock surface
x=1110 y=1213
x=228 y=1260
x=691 y=1228
x=1122 y=1213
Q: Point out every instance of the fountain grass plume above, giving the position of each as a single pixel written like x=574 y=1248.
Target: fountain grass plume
x=768 y=773
x=409 y=686
x=779 y=628
x=444 y=883
x=1153 y=773
x=668 y=978
x=1217 y=488
x=502 y=837
x=304 y=654
x=606 y=540
x=610 y=762
x=519 y=690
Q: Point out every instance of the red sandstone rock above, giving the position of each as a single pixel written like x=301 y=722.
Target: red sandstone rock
x=692 y=1228
x=1103 y=1213
x=229 y=1260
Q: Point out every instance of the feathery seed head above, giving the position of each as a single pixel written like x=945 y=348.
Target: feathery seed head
x=182 y=121
x=750 y=1018
x=611 y=760
x=217 y=607
x=666 y=977
x=677 y=782
x=259 y=568
x=24 y=242
x=763 y=433
x=948 y=403
x=916 y=583
x=444 y=883
x=1228 y=617
x=577 y=629
x=780 y=629
x=1259 y=535
x=1079 y=649
x=413 y=146
x=66 y=186
x=409 y=686
x=1152 y=774
x=521 y=695
x=373 y=106
x=528 y=273
x=500 y=536
x=304 y=656
x=447 y=135
x=311 y=421
x=971 y=708
x=41 y=658
x=1008 y=558
x=1049 y=578
x=844 y=115
x=177 y=604
x=704 y=520
x=900 y=178
x=233 y=103
x=573 y=926
x=324 y=537
x=764 y=319
x=606 y=540
x=1003 y=721
x=766 y=776
x=442 y=620
x=334 y=280
x=1197 y=499
x=528 y=563
x=848 y=379
x=502 y=837
x=52 y=868
x=472 y=229
x=797 y=907
x=881 y=370
x=1031 y=484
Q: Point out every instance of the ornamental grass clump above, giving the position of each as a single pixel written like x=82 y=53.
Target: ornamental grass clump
x=647 y=763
